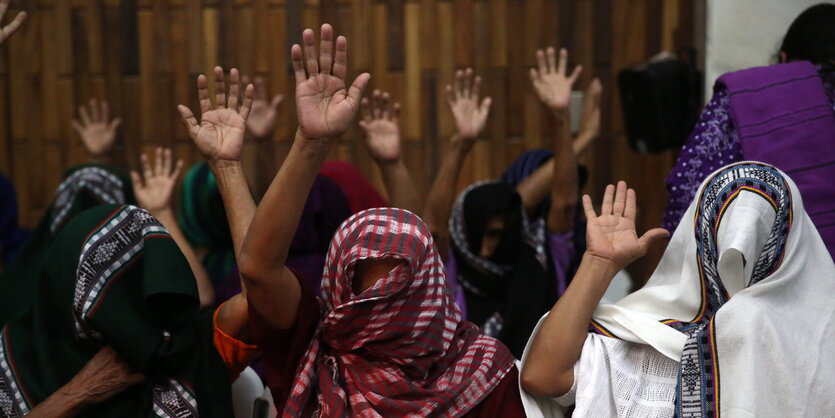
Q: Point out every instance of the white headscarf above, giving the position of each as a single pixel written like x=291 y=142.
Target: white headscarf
x=743 y=298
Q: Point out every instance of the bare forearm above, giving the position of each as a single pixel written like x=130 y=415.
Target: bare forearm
x=537 y=186
x=61 y=404
x=399 y=184
x=204 y=285
x=237 y=199
x=564 y=188
x=442 y=194
x=549 y=368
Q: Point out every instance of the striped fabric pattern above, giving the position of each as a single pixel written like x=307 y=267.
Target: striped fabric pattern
x=399 y=348
x=101 y=183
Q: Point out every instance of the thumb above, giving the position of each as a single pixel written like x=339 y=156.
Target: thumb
x=137 y=180
x=277 y=101
x=652 y=235
x=115 y=123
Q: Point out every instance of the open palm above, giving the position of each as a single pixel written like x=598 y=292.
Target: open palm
x=550 y=81
x=611 y=236
x=220 y=133
x=153 y=189
x=262 y=115
x=470 y=115
x=325 y=107
x=97 y=131
x=380 y=123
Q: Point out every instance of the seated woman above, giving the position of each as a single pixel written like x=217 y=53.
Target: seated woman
x=782 y=115
x=721 y=328
x=512 y=262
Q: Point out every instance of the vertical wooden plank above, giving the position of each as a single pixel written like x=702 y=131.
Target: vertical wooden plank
x=394 y=32
x=411 y=123
x=429 y=34
x=464 y=32
x=498 y=29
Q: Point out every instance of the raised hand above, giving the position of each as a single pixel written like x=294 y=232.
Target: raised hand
x=9 y=29
x=262 y=115
x=611 y=236
x=380 y=120
x=324 y=106
x=590 y=119
x=219 y=135
x=96 y=129
x=549 y=78
x=154 y=188
x=470 y=116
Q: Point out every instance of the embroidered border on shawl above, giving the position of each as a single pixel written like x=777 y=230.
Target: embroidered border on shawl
x=114 y=245
x=174 y=399
x=103 y=184
x=13 y=402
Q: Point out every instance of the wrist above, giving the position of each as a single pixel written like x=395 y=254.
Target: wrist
x=605 y=266
x=162 y=214
x=313 y=144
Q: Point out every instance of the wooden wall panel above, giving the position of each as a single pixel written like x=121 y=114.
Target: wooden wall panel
x=144 y=55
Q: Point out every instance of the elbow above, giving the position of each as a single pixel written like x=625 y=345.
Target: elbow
x=540 y=383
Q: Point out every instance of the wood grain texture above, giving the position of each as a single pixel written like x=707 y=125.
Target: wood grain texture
x=144 y=55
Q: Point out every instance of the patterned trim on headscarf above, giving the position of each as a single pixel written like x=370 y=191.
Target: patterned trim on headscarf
x=400 y=347
x=533 y=234
x=114 y=245
x=698 y=387
x=13 y=402
x=103 y=184
x=174 y=400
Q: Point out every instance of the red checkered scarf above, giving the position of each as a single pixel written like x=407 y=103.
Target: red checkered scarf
x=399 y=348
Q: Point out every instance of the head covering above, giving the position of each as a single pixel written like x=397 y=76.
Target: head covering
x=116 y=278
x=360 y=192
x=509 y=291
x=203 y=220
x=400 y=347
x=83 y=187
x=326 y=208
x=742 y=298
x=11 y=236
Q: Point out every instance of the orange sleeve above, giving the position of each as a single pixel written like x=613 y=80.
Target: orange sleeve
x=236 y=354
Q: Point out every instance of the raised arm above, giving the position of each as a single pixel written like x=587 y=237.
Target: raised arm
x=590 y=119
x=381 y=123
x=96 y=129
x=326 y=107
x=153 y=190
x=470 y=119
x=612 y=244
x=9 y=29
x=553 y=87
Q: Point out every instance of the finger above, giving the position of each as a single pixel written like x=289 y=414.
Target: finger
x=146 y=167
x=4 y=5
x=476 y=87
x=552 y=59
x=365 y=108
x=385 y=110
x=247 y=104
x=260 y=88
x=485 y=106
x=77 y=126
x=85 y=117
x=357 y=88
x=166 y=162
x=105 y=111
x=276 y=101
x=375 y=104
x=534 y=76
x=298 y=66
x=188 y=118
x=158 y=163
x=95 y=117
x=620 y=199
x=15 y=24
x=459 y=84
x=467 y=85
x=563 y=62
x=340 y=65
x=326 y=48
x=234 y=89
x=608 y=199
x=395 y=114
x=450 y=96
x=631 y=209
x=115 y=124
x=220 y=89
x=177 y=169
x=137 y=180
x=576 y=73
x=540 y=62
x=203 y=93
x=311 y=62
x=588 y=208
x=651 y=236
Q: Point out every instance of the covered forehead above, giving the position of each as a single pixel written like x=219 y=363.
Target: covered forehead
x=388 y=230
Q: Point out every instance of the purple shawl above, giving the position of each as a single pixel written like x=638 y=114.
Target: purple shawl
x=783 y=117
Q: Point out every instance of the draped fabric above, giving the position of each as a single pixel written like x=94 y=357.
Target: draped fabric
x=509 y=291
x=742 y=299
x=360 y=192
x=12 y=236
x=399 y=347
x=116 y=278
x=83 y=187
